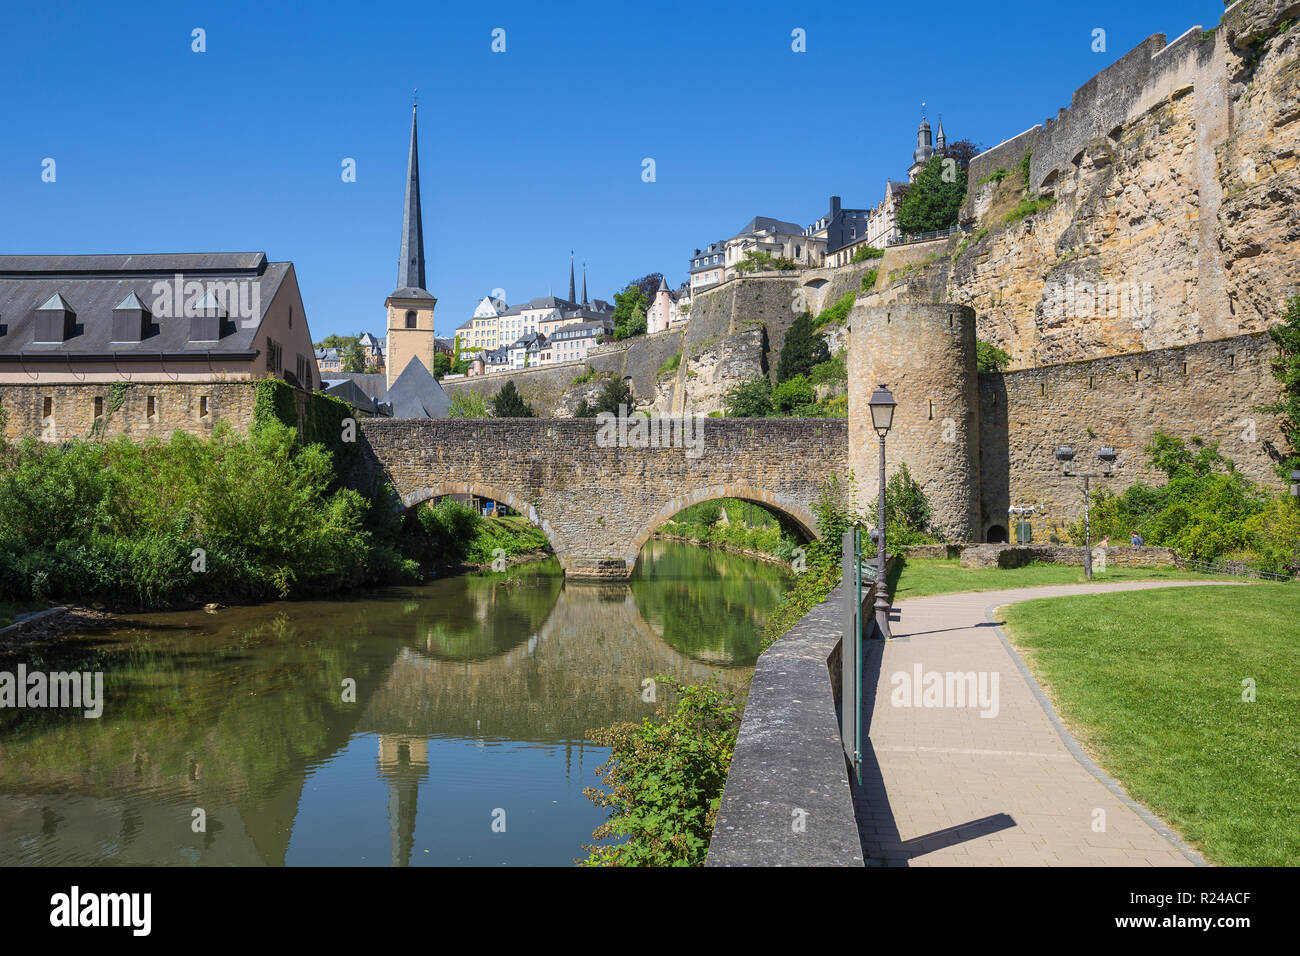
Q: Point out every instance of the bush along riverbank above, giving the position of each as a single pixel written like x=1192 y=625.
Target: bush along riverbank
x=734 y=525
x=452 y=535
x=666 y=775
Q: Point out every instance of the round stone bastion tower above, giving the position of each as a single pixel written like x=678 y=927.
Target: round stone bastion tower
x=925 y=354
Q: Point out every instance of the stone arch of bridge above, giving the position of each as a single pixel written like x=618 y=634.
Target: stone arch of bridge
x=496 y=493
x=796 y=511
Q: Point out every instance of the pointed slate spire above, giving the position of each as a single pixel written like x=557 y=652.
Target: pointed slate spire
x=573 y=295
x=940 y=141
x=584 y=283
x=410 y=270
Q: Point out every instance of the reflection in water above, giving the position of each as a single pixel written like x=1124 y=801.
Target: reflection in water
x=473 y=695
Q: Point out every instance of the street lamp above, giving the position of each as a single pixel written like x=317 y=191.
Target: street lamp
x=1107 y=456
x=882 y=407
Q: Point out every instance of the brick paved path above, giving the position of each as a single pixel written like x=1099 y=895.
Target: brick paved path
x=943 y=786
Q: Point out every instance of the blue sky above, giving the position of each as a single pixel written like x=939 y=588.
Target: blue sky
x=525 y=154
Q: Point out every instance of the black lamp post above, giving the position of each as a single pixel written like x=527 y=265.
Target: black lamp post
x=1107 y=456
x=882 y=419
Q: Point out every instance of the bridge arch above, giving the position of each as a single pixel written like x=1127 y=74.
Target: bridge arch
x=799 y=513
x=496 y=493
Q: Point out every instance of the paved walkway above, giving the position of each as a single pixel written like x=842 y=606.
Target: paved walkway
x=944 y=786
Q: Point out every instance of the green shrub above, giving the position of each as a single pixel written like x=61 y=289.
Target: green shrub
x=837 y=312
x=665 y=779
x=793 y=393
x=990 y=358
x=863 y=253
x=1028 y=206
x=749 y=399
x=671 y=365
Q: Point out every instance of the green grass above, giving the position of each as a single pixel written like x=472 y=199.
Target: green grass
x=920 y=577
x=1151 y=684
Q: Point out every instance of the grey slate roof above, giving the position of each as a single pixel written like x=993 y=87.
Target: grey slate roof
x=93 y=286
x=771 y=225
x=417 y=394
x=373 y=384
x=348 y=390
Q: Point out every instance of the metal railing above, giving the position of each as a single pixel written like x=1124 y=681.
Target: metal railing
x=924 y=236
x=1232 y=568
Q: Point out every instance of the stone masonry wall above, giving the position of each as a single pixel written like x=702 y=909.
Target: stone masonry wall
x=598 y=502
x=1209 y=390
x=175 y=407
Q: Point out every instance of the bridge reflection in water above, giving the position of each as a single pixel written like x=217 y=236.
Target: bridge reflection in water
x=473 y=694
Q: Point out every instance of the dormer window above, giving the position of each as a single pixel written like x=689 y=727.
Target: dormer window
x=55 y=320
x=131 y=319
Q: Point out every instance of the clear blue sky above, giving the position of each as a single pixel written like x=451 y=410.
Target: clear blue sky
x=525 y=154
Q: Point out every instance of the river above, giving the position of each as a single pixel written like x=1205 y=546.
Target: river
x=229 y=737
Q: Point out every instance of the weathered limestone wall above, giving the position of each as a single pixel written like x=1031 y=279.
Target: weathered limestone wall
x=1210 y=390
x=926 y=355
x=597 y=502
x=1176 y=213
x=175 y=407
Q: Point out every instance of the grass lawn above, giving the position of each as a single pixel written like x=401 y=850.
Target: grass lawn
x=1151 y=684
x=919 y=577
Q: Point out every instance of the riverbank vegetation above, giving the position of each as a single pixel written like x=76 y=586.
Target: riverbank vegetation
x=665 y=778
x=735 y=525
x=231 y=518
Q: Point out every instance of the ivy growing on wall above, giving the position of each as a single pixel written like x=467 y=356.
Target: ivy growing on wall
x=322 y=421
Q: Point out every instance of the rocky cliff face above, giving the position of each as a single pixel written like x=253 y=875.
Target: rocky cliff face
x=1174 y=212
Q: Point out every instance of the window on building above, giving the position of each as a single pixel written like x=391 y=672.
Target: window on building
x=151 y=408
x=99 y=406
x=47 y=406
x=410 y=319
x=203 y=406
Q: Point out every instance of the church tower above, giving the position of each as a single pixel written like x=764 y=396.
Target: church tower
x=924 y=148
x=410 y=306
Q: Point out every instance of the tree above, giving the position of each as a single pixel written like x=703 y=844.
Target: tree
x=803 y=348
x=467 y=404
x=615 y=398
x=793 y=393
x=441 y=364
x=1286 y=369
x=353 y=359
x=630 y=307
x=750 y=399
x=990 y=358
x=760 y=260
x=963 y=151
x=507 y=403
x=935 y=198
x=907 y=510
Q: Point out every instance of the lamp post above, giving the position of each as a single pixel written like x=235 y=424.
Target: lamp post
x=1107 y=456
x=882 y=419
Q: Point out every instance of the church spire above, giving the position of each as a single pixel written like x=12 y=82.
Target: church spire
x=573 y=295
x=410 y=269
x=584 y=283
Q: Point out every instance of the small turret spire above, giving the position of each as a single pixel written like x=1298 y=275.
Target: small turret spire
x=572 y=293
x=584 y=282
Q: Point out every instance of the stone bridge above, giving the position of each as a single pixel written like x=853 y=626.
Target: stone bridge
x=595 y=494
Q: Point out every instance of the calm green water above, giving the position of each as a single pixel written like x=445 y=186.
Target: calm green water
x=472 y=698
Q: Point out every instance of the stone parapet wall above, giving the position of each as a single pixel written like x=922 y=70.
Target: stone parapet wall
x=789 y=757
